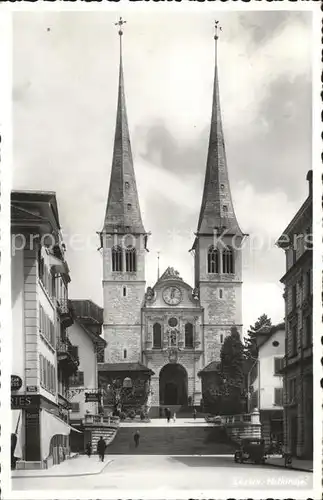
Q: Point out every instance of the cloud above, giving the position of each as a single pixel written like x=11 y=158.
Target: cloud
x=65 y=92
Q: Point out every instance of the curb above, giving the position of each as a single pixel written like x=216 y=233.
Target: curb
x=65 y=475
x=300 y=469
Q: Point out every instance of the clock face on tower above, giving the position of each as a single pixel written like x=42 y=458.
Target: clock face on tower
x=172 y=295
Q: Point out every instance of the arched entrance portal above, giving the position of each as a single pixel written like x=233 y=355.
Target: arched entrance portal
x=173 y=385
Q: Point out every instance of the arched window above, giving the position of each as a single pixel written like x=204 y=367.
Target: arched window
x=188 y=335
x=227 y=261
x=213 y=260
x=131 y=260
x=157 y=336
x=116 y=259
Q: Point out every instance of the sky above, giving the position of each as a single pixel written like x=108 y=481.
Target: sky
x=65 y=74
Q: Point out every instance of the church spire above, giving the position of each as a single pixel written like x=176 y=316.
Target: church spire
x=217 y=212
x=123 y=210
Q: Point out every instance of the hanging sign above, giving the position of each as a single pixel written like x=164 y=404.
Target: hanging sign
x=16 y=383
x=92 y=397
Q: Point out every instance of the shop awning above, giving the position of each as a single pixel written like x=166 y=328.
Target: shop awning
x=16 y=425
x=51 y=425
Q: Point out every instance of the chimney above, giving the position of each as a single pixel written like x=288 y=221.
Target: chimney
x=309 y=178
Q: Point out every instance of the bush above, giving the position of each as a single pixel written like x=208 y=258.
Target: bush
x=143 y=415
x=132 y=414
x=122 y=415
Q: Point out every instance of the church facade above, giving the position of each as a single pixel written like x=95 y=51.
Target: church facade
x=172 y=328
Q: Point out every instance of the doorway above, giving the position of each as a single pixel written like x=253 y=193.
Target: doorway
x=173 y=385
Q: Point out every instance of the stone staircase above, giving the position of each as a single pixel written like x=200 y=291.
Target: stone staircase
x=108 y=434
x=172 y=441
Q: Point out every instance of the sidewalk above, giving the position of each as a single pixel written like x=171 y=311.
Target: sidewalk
x=301 y=465
x=162 y=422
x=80 y=466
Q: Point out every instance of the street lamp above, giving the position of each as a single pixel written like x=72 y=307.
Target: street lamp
x=256 y=362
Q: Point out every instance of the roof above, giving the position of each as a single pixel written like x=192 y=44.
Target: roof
x=262 y=336
x=95 y=337
x=217 y=210
x=305 y=209
x=170 y=274
x=124 y=367
x=123 y=211
x=214 y=366
x=33 y=198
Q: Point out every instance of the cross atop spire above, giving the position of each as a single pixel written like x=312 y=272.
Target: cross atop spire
x=123 y=211
x=120 y=23
x=217 y=212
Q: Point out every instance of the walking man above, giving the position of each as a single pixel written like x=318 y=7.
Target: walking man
x=136 y=438
x=101 y=448
x=194 y=413
x=174 y=417
x=89 y=449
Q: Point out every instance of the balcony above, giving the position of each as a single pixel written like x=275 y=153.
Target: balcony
x=67 y=357
x=88 y=312
x=65 y=313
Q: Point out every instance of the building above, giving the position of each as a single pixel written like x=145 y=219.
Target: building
x=171 y=328
x=83 y=387
x=269 y=382
x=43 y=356
x=296 y=241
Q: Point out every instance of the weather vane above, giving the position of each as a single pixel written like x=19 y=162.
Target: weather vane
x=120 y=23
x=217 y=27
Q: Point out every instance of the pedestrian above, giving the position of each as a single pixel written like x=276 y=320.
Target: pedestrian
x=89 y=449
x=174 y=417
x=168 y=415
x=136 y=438
x=101 y=448
x=194 y=413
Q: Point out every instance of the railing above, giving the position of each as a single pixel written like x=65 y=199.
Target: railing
x=65 y=311
x=230 y=419
x=66 y=347
x=88 y=311
x=90 y=418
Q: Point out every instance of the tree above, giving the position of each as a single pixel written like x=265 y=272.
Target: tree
x=251 y=349
x=232 y=372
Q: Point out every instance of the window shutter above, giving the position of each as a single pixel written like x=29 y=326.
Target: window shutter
x=41 y=369
x=279 y=396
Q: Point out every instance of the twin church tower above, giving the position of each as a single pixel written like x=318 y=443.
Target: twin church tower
x=172 y=328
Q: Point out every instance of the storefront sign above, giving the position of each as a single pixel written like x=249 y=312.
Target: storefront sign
x=92 y=397
x=23 y=401
x=16 y=383
x=31 y=388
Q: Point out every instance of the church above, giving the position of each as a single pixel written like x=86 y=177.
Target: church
x=171 y=331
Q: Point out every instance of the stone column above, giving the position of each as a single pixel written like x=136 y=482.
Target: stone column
x=197 y=337
x=181 y=335
x=164 y=334
x=148 y=333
